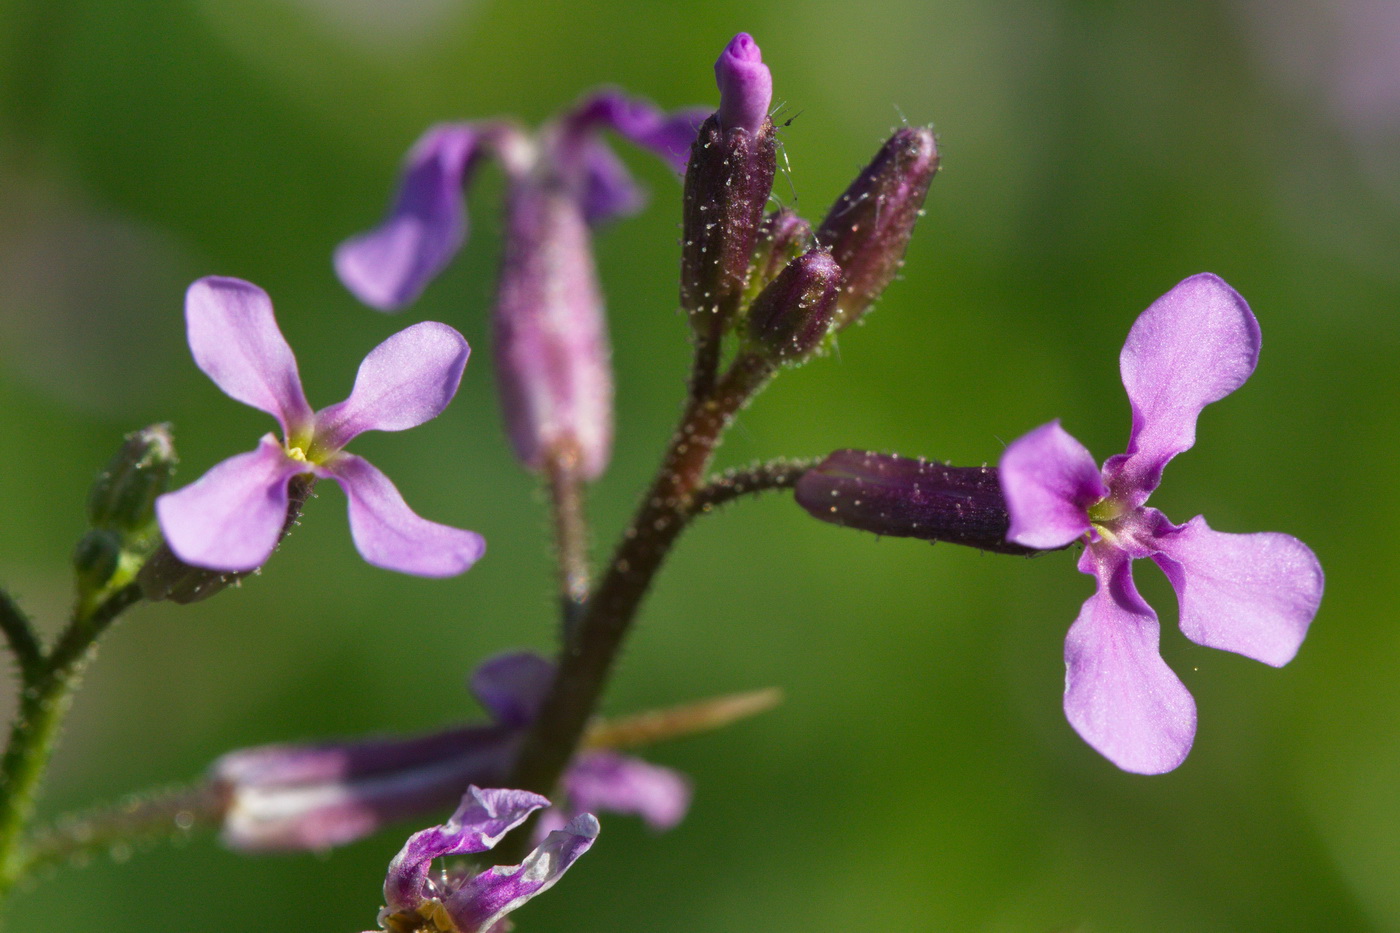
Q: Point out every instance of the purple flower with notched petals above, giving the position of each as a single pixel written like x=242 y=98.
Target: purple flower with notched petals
x=1254 y=594
x=459 y=901
x=292 y=797
x=231 y=517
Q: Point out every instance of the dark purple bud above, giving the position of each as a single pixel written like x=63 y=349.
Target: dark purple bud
x=552 y=358
x=790 y=318
x=745 y=85
x=901 y=497
x=869 y=226
x=782 y=237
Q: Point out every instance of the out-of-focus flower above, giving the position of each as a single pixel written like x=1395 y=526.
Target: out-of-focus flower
x=459 y=900
x=230 y=519
x=1254 y=594
x=316 y=796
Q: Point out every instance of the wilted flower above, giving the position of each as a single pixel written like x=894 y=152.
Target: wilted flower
x=1254 y=594
x=230 y=518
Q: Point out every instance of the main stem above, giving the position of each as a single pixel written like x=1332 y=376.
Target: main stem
x=588 y=656
x=43 y=702
x=570 y=532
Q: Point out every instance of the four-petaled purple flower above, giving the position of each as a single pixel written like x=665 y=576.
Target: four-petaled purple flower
x=459 y=901
x=1254 y=594
x=231 y=517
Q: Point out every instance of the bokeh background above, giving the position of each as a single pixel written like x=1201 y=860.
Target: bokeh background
x=920 y=775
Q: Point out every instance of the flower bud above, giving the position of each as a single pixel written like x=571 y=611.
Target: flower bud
x=745 y=85
x=552 y=360
x=782 y=237
x=790 y=318
x=897 y=496
x=124 y=494
x=95 y=559
x=869 y=226
x=727 y=182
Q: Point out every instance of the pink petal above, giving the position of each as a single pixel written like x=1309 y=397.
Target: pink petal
x=390 y=265
x=235 y=341
x=1050 y=480
x=483 y=817
x=485 y=899
x=405 y=381
x=1119 y=695
x=230 y=518
x=1195 y=345
x=387 y=532
x=1252 y=594
x=606 y=781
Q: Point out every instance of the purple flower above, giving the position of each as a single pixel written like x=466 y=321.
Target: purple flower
x=458 y=901
x=745 y=85
x=312 y=797
x=230 y=518
x=1253 y=594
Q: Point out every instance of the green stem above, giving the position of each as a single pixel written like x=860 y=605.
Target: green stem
x=34 y=733
x=570 y=532
x=21 y=638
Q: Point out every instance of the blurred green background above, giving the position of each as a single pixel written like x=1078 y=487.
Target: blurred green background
x=920 y=775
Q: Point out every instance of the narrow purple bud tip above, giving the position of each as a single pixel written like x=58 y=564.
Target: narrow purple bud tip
x=904 y=498
x=745 y=85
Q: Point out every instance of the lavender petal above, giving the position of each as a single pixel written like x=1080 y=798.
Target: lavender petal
x=603 y=781
x=1050 y=481
x=1195 y=345
x=389 y=266
x=482 y=818
x=1252 y=594
x=236 y=342
x=230 y=518
x=1119 y=695
x=642 y=123
x=388 y=534
x=745 y=85
x=480 y=903
x=405 y=381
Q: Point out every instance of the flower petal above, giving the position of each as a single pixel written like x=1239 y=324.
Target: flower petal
x=605 y=781
x=235 y=341
x=483 y=817
x=389 y=534
x=1252 y=594
x=1050 y=480
x=389 y=266
x=1119 y=695
x=230 y=518
x=486 y=898
x=608 y=188
x=405 y=381
x=512 y=686
x=642 y=123
x=1195 y=345
x=314 y=797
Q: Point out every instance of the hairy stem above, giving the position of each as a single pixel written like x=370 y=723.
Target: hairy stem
x=19 y=634
x=570 y=533
x=34 y=732
x=588 y=657
x=749 y=480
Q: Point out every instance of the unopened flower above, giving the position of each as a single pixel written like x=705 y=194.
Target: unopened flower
x=459 y=900
x=1254 y=594
x=230 y=519
x=316 y=796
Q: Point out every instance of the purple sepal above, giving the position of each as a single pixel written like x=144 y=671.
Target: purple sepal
x=782 y=237
x=480 y=903
x=388 y=267
x=512 y=686
x=745 y=85
x=869 y=226
x=790 y=318
x=481 y=820
x=1119 y=695
x=552 y=357
x=315 y=797
x=605 y=781
x=898 y=496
